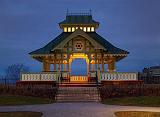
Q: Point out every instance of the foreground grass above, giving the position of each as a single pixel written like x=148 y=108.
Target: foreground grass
x=22 y=100
x=135 y=101
x=20 y=114
x=137 y=114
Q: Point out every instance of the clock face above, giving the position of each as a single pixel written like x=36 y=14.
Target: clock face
x=78 y=46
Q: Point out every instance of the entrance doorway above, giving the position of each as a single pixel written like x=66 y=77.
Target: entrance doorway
x=79 y=67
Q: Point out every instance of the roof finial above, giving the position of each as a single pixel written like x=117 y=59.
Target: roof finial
x=90 y=12
x=67 y=12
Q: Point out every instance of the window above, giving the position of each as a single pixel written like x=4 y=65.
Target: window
x=65 y=29
x=78 y=46
x=88 y=29
x=69 y=29
x=73 y=29
x=92 y=29
x=81 y=28
x=84 y=29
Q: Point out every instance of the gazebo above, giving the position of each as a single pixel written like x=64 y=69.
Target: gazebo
x=78 y=39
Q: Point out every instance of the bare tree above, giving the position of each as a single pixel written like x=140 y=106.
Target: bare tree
x=13 y=71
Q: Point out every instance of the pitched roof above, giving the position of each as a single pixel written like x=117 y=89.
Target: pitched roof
x=47 y=48
x=78 y=19
x=109 y=47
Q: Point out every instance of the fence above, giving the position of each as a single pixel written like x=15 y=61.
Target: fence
x=5 y=81
x=116 y=91
x=150 y=79
x=28 y=91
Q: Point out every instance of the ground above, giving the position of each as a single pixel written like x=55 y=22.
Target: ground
x=151 y=101
x=20 y=114
x=81 y=109
x=23 y=100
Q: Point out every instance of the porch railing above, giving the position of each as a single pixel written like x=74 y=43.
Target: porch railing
x=40 y=76
x=79 y=78
x=55 y=76
x=119 y=76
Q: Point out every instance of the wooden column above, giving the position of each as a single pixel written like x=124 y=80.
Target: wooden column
x=98 y=65
x=102 y=65
x=59 y=65
x=88 y=67
x=111 y=66
x=69 y=66
x=93 y=66
x=55 y=67
x=65 y=67
x=46 y=66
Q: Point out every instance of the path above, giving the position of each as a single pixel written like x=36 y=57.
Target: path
x=89 y=109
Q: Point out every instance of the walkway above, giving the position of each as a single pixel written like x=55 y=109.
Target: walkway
x=89 y=109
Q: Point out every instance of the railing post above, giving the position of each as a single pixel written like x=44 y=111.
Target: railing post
x=96 y=79
x=40 y=77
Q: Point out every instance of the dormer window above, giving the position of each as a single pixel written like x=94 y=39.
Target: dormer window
x=65 y=29
x=92 y=29
x=73 y=29
x=69 y=29
x=88 y=29
x=85 y=29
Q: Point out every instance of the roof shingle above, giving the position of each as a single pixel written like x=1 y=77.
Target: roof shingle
x=109 y=47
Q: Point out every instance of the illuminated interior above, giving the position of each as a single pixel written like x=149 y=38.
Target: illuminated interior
x=88 y=29
x=79 y=55
x=65 y=29
x=73 y=29
x=69 y=29
x=85 y=29
x=92 y=29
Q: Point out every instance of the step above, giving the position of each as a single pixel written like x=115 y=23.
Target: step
x=69 y=94
x=77 y=85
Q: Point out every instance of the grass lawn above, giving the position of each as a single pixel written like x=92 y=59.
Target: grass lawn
x=134 y=101
x=22 y=100
x=137 y=114
x=20 y=114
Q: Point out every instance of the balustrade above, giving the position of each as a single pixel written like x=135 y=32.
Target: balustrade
x=39 y=76
x=119 y=76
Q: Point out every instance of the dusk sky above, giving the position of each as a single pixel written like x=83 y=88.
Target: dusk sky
x=132 y=25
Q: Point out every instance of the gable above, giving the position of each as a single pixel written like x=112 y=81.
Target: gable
x=81 y=36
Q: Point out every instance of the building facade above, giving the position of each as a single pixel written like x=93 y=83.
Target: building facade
x=150 y=75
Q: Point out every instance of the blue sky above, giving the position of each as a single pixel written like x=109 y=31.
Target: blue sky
x=133 y=25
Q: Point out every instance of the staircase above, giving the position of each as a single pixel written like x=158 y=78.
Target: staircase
x=77 y=94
